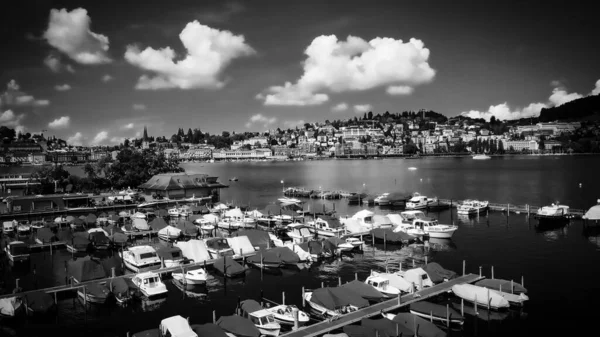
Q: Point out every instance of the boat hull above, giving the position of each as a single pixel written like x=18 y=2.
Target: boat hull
x=267 y=331
x=90 y=298
x=141 y=268
x=483 y=296
x=189 y=281
x=441 y=234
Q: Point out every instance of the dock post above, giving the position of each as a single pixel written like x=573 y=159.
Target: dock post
x=425 y=259
x=507 y=209
x=462 y=307
x=480 y=271
x=339 y=281
x=295 y=314
x=447 y=315
x=413 y=262
x=50 y=248
x=512 y=287
x=214 y=317
x=464 y=266
x=322 y=286
x=384 y=243
x=475 y=305
x=489 y=300
x=399 y=299
x=356 y=276
x=127 y=333
x=162 y=262
x=283 y=298
x=500 y=287
x=492 y=272
x=523 y=281
x=85 y=297
x=373 y=237
x=420 y=284
x=112 y=272
x=17 y=285
x=303 y=300
x=55 y=299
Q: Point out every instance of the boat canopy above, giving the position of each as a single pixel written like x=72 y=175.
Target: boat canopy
x=593 y=213
x=39 y=301
x=250 y=306
x=158 y=223
x=176 y=326
x=335 y=298
x=169 y=253
x=234 y=213
x=45 y=235
x=8 y=306
x=395 y=219
x=254 y=214
x=312 y=247
x=240 y=245
x=208 y=330
x=119 y=285
x=275 y=255
x=437 y=273
x=353 y=226
x=257 y=237
x=328 y=247
x=78 y=222
x=228 y=266
x=97 y=229
x=119 y=238
x=85 y=269
x=99 y=237
x=80 y=239
x=396 y=281
x=238 y=326
x=364 y=290
x=112 y=262
x=362 y=214
x=217 y=244
x=301 y=253
x=389 y=235
x=418 y=324
x=381 y=220
x=140 y=224
x=187 y=227
x=169 y=231
x=90 y=219
x=331 y=221
x=194 y=250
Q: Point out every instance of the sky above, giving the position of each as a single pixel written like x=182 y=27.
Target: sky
x=95 y=73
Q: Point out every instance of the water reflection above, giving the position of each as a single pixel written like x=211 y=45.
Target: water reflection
x=199 y=292
x=151 y=304
x=441 y=245
x=592 y=233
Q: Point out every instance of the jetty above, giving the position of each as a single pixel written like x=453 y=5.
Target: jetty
x=326 y=326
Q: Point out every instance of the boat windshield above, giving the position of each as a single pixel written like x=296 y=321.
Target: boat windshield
x=19 y=250
x=148 y=255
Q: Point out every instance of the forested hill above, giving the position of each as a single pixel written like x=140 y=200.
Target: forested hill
x=586 y=108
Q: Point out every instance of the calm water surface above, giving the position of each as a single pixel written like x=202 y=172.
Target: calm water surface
x=561 y=267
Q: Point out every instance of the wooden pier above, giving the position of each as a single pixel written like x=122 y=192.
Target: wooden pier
x=323 y=327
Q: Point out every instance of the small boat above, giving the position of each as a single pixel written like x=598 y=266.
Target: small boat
x=419 y=202
x=237 y=326
x=436 y=312
x=99 y=240
x=261 y=318
x=342 y=245
x=333 y=302
x=469 y=207
x=80 y=243
x=433 y=229
x=299 y=233
x=88 y=269
x=418 y=277
x=170 y=256
x=38 y=302
x=218 y=247
x=10 y=307
x=174 y=326
x=483 y=296
x=94 y=293
x=502 y=285
x=191 y=277
x=382 y=200
x=284 y=314
x=289 y=201
x=150 y=284
x=140 y=258
x=120 y=290
x=382 y=285
x=327 y=226
x=9 y=227
x=169 y=233
x=355 y=242
x=437 y=206
x=553 y=213
x=23 y=228
x=481 y=157
x=17 y=251
x=138 y=215
x=228 y=267
x=174 y=212
x=229 y=224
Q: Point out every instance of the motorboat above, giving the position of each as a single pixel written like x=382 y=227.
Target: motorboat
x=405 y=223
x=120 y=290
x=284 y=314
x=99 y=239
x=263 y=319
x=382 y=200
x=170 y=256
x=299 y=233
x=218 y=247
x=382 y=285
x=469 y=207
x=229 y=224
x=418 y=277
x=17 y=251
x=138 y=215
x=233 y=179
x=185 y=211
x=327 y=226
x=481 y=295
x=191 y=277
x=140 y=258
x=10 y=307
x=175 y=326
x=419 y=202
x=289 y=201
x=342 y=245
x=432 y=228
x=554 y=212
x=94 y=293
x=333 y=302
x=481 y=157
x=174 y=212
x=355 y=242
x=39 y=302
x=23 y=228
x=513 y=292
x=84 y=270
x=169 y=233
x=150 y=284
x=364 y=218
x=436 y=312
x=9 y=227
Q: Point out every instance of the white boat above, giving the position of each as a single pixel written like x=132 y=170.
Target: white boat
x=327 y=227
x=185 y=211
x=382 y=285
x=483 y=296
x=170 y=256
x=469 y=207
x=191 y=277
x=481 y=157
x=150 y=284
x=265 y=322
x=218 y=247
x=17 y=251
x=176 y=326
x=174 y=212
x=169 y=233
x=23 y=228
x=355 y=242
x=419 y=202
x=405 y=223
x=417 y=277
x=10 y=307
x=9 y=227
x=382 y=200
x=140 y=258
x=299 y=233
x=289 y=201
x=284 y=314
x=553 y=212
x=138 y=215
x=248 y=223
x=229 y=224
x=432 y=228
x=364 y=218
x=327 y=312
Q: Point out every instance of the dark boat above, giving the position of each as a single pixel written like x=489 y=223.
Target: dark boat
x=356 y=198
x=418 y=325
x=388 y=235
x=227 y=266
x=365 y=291
x=88 y=269
x=120 y=289
x=45 y=236
x=99 y=240
x=38 y=303
x=208 y=329
x=79 y=243
x=238 y=325
x=377 y=327
x=436 y=312
x=437 y=273
x=502 y=285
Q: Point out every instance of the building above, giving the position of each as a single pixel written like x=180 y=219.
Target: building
x=182 y=185
x=16 y=184
x=67 y=156
x=353 y=132
x=520 y=145
x=242 y=154
x=51 y=202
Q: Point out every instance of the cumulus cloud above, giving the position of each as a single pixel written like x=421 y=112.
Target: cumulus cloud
x=9 y=119
x=208 y=52
x=293 y=124
x=14 y=97
x=60 y=123
x=76 y=139
x=128 y=126
x=54 y=63
x=261 y=119
x=70 y=68
x=62 y=87
x=70 y=33
x=100 y=137
x=117 y=140
x=107 y=78
x=502 y=111
x=340 y=107
x=139 y=107
x=353 y=65
x=362 y=108
x=400 y=90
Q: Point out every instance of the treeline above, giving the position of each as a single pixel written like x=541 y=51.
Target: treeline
x=578 y=109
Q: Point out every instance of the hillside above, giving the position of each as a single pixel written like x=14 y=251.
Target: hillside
x=586 y=108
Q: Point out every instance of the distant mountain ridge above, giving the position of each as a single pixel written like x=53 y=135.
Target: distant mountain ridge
x=585 y=108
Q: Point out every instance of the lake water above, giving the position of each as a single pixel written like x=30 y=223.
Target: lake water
x=561 y=267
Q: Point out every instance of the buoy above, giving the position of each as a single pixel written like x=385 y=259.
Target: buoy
x=580 y=184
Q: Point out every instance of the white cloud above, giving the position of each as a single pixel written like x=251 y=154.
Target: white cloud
x=76 y=139
x=128 y=126
x=293 y=124
x=53 y=63
x=69 y=68
x=340 y=107
x=117 y=140
x=399 y=90
x=60 y=123
x=13 y=97
x=208 y=52
x=62 y=87
x=502 y=111
x=353 y=65
x=99 y=138
x=139 y=107
x=261 y=119
x=107 y=78
x=9 y=119
x=70 y=33
x=361 y=108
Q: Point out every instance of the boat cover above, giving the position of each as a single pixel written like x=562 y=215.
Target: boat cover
x=381 y=220
x=85 y=269
x=112 y=229
x=78 y=222
x=119 y=239
x=80 y=241
x=250 y=306
x=302 y=254
x=312 y=247
x=218 y=244
x=148 y=333
x=272 y=210
x=364 y=290
x=211 y=218
x=418 y=325
x=158 y=223
x=187 y=227
x=176 y=326
x=69 y=218
x=396 y=281
x=228 y=266
x=254 y=214
x=365 y=213
x=377 y=327
x=240 y=245
x=112 y=262
x=329 y=247
x=169 y=253
x=593 y=213
x=389 y=235
x=275 y=255
x=39 y=301
x=336 y=241
x=353 y=226
x=140 y=224
x=64 y=235
x=331 y=221
x=90 y=219
x=483 y=295
x=169 y=231
x=123 y=214
x=99 y=238
x=96 y=289
x=437 y=310
x=113 y=217
x=496 y=283
x=437 y=273
x=257 y=237
x=234 y=213
x=398 y=196
x=208 y=330
x=396 y=219
x=238 y=326
x=8 y=306
x=335 y=298
x=82 y=217
x=194 y=250
x=45 y=235
x=119 y=286
x=97 y=229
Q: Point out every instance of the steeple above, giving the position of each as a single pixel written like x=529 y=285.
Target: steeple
x=145 y=134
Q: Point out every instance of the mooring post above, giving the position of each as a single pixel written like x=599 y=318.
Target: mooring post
x=480 y=271
x=127 y=333
x=488 y=299
x=214 y=317
x=85 y=297
x=339 y=281
x=55 y=299
x=384 y=243
x=17 y=285
x=356 y=276
x=447 y=315
x=295 y=314
x=507 y=209
x=462 y=307
x=523 y=281
x=112 y=272
x=373 y=237
x=431 y=316
x=413 y=260
x=322 y=286
x=464 y=267
x=501 y=287
x=283 y=298
x=303 y=299
x=399 y=299
x=475 y=305
x=492 y=272
x=420 y=283
x=425 y=259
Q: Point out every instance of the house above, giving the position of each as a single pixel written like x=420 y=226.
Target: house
x=183 y=185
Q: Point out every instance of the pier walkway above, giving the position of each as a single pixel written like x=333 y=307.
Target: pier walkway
x=323 y=327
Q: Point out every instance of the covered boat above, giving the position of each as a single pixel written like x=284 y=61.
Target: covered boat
x=396 y=281
x=377 y=327
x=120 y=289
x=45 y=235
x=238 y=326
x=436 y=312
x=99 y=240
x=89 y=269
x=169 y=233
x=364 y=290
x=334 y=301
x=593 y=214
x=341 y=245
x=417 y=325
x=502 y=285
x=194 y=250
x=176 y=326
x=140 y=224
x=388 y=235
x=241 y=246
x=158 y=223
x=301 y=253
x=119 y=240
x=354 y=226
x=483 y=296
x=276 y=257
x=259 y=239
x=187 y=228
x=208 y=330
x=381 y=221
x=314 y=248
x=228 y=267
x=171 y=256
x=218 y=247
x=38 y=302
x=10 y=307
x=437 y=273
x=91 y=219
x=79 y=242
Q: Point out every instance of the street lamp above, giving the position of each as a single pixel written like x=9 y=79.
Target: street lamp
x=283 y=186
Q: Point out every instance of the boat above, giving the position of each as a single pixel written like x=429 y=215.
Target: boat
x=88 y=269
x=228 y=267
x=284 y=314
x=38 y=302
x=261 y=318
x=502 y=285
x=17 y=251
x=289 y=201
x=10 y=307
x=229 y=224
x=365 y=291
x=333 y=302
x=553 y=213
x=481 y=157
x=150 y=284
x=174 y=212
x=419 y=202
x=356 y=198
x=340 y=244
x=382 y=200
x=170 y=256
x=192 y=277
x=437 y=206
x=120 y=290
x=140 y=258
x=23 y=228
x=187 y=228
x=274 y=258
x=433 y=229
x=436 y=312
x=382 y=285
x=469 y=206
x=99 y=240
x=355 y=242
x=395 y=281
x=482 y=296
x=80 y=243
x=417 y=277
x=169 y=233
x=299 y=233
x=417 y=325
x=237 y=326
x=218 y=247
x=9 y=227
x=437 y=273
x=327 y=226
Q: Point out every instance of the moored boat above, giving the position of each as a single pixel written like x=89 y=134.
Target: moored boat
x=382 y=285
x=140 y=258
x=553 y=213
x=436 y=312
x=150 y=284
x=469 y=207
x=483 y=296
x=192 y=277
x=261 y=318
x=17 y=251
x=419 y=202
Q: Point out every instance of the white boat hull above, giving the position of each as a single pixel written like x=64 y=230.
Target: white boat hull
x=188 y=280
x=483 y=296
x=441 y=234
x=267 y=331
x=141 y=268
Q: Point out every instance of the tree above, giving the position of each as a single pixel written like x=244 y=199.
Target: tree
x=225 y=134
x=126 y=142
x=190 y=136
x=542 y=143
x=370 y=115
x=133 y=168
x=48 y=176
